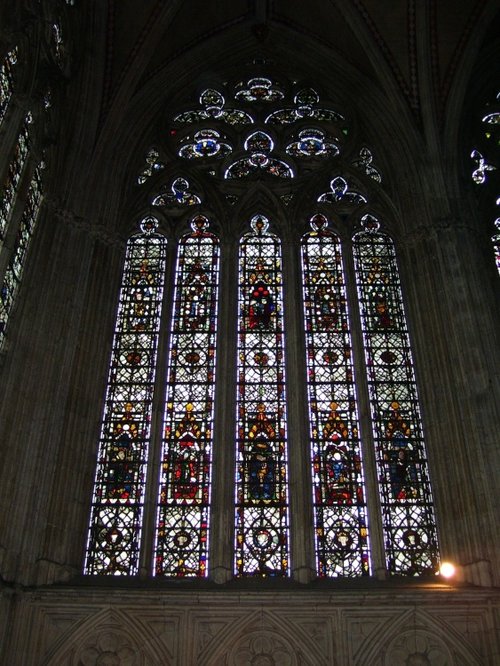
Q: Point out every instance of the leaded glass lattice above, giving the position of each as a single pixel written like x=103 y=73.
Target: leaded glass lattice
x=7 y=81
x=118 y=499
x=405 y=493
x=496 y=243
x=261 y=451
x=13 y=274
x=16 y=167
x=184 y=501
x=341 y=535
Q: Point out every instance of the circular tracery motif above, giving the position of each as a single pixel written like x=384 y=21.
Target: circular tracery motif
x=262 y=648
x=417 y=648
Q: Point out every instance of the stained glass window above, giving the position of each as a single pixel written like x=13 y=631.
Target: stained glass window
x=118 y=499
x=16 y=167
x=258 y=89
x=176 y=195
x=338 y=486
x=312 y=143
x=261 y=451
x=496 y=243
x=153 y=164
x=255 y=144
x=259 y=145
x=205 y=144
x=341 y=191
x=7 y=81
x=305 y=107
x=485 y=163
x=183 y=513
x=213 y=104
x=405 y=493
x=13 y=274
x=364 y=162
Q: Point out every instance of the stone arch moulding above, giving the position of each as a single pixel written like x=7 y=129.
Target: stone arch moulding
x=113 y=634
x=416 y=639
x=266 y=638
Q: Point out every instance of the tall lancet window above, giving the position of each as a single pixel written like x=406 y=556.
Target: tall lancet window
x=15 y=268
x=338 y=488
x=352 y=479
x=119 y=490
x=261 y=523
x=182 y=537
x=7 y=81
x=405 y=493
x=16 y=167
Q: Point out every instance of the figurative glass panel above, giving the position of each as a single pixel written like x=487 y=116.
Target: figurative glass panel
x=261 y=451
x=16 y=167
x=118 y=498
x=7 y=81
x=405 y=492
x=13 y=274
x=183 y=508
x=339 y=504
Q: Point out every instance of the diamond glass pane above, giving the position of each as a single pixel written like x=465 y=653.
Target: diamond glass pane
x=118 y=498
x=405 y=492
x=16 y=167
x=13 y=274
x=183 y=508
x=6 y=81
x=339 y=504
x=261 y=452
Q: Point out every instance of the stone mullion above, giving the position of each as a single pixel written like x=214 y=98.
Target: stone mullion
x=299 y=455
x=150 y=508
x=221 y=553
x=375 y=527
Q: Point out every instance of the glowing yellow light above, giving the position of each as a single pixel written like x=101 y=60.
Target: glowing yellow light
x=447 y=569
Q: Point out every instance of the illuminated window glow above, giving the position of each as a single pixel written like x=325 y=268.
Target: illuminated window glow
x=184 y=501
x=261 y=454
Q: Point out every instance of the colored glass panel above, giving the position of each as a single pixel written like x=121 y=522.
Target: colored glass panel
x=258 y=89
x=206 y=145
x=311 y=143
x=338 y=487
x=6 y=81
x=177 y=195
x=364 y=162
x=261 y=452
x=16 y=167
x=118 y=498
x=496 y=244
x=13 y=274
x=405 y=493
x=213 y=103
x=153 y=164
x=341 y=192
x=184 y=501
